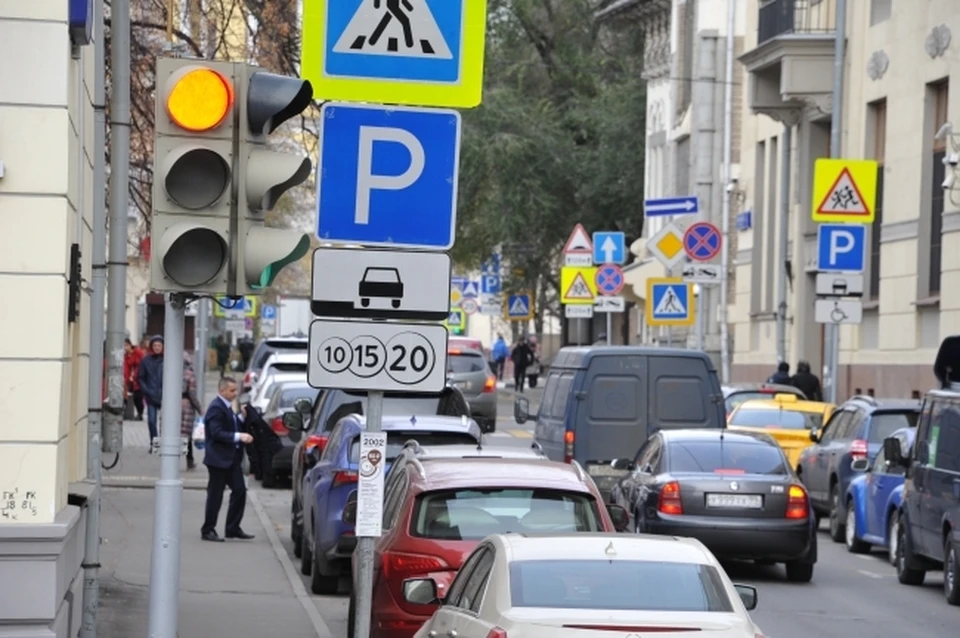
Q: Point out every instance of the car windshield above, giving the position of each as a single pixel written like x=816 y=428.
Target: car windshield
x=395 y=441
x=475 y=513
x=734 y=400
x=776 y=418
x=381 y=275
x=728 y=457
x=463 y=363
x=623 y=585
x=292 y=394
x=885 y=424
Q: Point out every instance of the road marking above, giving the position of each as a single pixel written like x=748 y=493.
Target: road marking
x=869 y=574
x=323 y=631
x=864 y=557
x=520 y=434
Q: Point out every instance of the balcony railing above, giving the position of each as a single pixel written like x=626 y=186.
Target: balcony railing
x=780 y=17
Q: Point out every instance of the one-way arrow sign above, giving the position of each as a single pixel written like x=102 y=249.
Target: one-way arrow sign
x=671 y=206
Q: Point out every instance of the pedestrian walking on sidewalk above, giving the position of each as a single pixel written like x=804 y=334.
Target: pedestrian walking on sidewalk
x=807 y=382
x=500 y=353
x=132 y=356
x=223 y=355
x=150 y=377
x=189 y=407
x=522 y=356
x=225 y=437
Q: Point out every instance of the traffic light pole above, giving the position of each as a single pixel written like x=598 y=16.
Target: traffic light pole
x=365 y=544
x=168 y=505
x=200 y=357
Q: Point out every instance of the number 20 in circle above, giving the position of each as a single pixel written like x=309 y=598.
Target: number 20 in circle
x=410 y=358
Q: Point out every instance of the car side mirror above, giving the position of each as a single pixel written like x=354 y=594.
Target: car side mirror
x=893 y=451
x=815 y=436
x=521 y=410
x=420 y=591
x=293 y=421
x=303 y=406
x=748 y=596
x=294 y=435
x=625 y=465
x=860 y=465
x=619 y=517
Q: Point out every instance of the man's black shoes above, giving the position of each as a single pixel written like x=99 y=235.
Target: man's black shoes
x=240 y=535
x=213 y=537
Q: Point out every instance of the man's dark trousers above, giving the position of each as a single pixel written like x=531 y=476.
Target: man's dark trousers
x=220 y=478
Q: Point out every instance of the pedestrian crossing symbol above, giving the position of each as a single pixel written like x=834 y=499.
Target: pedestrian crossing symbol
x=579 y=285
x=519 y=307
x=409 y=52
x=669 y=302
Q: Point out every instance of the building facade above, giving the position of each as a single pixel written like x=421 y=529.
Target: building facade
x=46 y=205
x=900 y=71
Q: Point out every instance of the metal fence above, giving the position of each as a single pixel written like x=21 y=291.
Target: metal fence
x=780 y=17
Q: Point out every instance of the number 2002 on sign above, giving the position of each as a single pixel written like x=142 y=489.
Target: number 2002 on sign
x=354 y=355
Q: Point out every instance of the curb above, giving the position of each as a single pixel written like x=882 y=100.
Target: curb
x=149 y=482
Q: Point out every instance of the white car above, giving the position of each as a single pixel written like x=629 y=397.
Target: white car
x=587 y=586
x=271 y=384
x=278 y=363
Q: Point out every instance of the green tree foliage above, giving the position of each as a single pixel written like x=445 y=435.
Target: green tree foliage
x=559 y=139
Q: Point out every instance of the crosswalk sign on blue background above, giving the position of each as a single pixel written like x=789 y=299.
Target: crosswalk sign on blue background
x=669 y=302
x=417 y=52
x=491 y=266
x=609 y=248
x=841 y=247
x=471 y=289
x=388 y=176
x=519 y=306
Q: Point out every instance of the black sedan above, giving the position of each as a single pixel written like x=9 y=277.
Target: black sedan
x=734 y=492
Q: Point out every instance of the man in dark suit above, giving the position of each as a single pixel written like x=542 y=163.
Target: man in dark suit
x=223 y=457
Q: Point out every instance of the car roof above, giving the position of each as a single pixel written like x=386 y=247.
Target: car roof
x=426 y=423
x=462 y=473
x=715 y=434
x=455 y=350
x=280 y=342
x=815 y=407
x=434 y=452
x=604 y=546
x=753 y=387
x=579 y=356
x=874 y=404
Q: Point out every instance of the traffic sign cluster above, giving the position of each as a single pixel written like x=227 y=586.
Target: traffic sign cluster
x=591 y=278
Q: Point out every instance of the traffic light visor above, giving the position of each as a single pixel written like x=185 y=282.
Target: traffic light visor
x=198 y=98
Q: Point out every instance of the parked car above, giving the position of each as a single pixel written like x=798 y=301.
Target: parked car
x=732 y=491
x=271 y=385
x=327 y=543
x=280 y=363
x=734 y=395
x=856 y=430
x=786 y=418
x=264 y=349
x=283 y=401
x=873 y=501
x=589 y=586
x=469 y=371
x=435 y=514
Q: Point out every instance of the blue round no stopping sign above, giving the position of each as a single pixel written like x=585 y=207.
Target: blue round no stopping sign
x=702 y=241
x=610 y=279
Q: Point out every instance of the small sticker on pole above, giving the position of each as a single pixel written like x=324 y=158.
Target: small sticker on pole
x=373 y=458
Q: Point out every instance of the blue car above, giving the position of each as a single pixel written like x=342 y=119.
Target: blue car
x=873 y=500
x=327 y=541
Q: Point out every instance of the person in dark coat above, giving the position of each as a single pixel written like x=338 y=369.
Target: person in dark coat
x=223 y=355
x=150 y=377
x=189 y=407
x=522 y=356
x=807 y=382
x=782 y=375
x=246 y=347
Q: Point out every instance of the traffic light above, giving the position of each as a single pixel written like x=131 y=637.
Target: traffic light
x=266 y=101
x=192 y=176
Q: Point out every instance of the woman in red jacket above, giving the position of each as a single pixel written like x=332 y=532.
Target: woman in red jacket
x=131 y=365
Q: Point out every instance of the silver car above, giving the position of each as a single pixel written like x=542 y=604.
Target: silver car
x=468 y=371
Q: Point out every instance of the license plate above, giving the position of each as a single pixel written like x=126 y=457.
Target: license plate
x=743 y=501
x=462 y=385
x=603 y=470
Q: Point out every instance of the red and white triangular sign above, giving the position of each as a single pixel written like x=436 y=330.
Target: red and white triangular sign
x=843 y=198
x=579 y=242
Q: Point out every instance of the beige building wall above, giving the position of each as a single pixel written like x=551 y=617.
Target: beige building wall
x=901 y=85
x=46 y=195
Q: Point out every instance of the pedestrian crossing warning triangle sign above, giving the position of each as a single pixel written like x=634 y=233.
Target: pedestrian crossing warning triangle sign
x=519 y=307
x=670 y=305
x=843 y=198
x=578 y=289
x=403 y=28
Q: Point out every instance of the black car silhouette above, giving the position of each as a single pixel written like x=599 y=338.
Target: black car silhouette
x=381 y=282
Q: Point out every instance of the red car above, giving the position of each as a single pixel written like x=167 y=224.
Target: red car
x=438 y=510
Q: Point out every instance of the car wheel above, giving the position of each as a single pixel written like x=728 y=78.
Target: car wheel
x=951 y=571
x=321 y=584
x=893 y=537
x=798 y=572
x=269 y=480
x=836 y=525
x=306 y=556
x=854 y=544
x=905 y=574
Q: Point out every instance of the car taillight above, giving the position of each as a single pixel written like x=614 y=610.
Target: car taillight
x=568 y=438
x=670 y=499
x=496 y=632
x=277 y=426
x=797 y=506
x=858 y=449
x=490 y=384
x=343 y=478
x=403 y=565
x=315 y=441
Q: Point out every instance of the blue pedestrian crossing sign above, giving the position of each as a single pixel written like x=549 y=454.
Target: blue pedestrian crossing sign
x=456 y=320
x=387 y=176
x=491 y=266
x=609 y=248
x=519 y=307
x=669 y=302
x=415 y=52
x=268 y=311
x=471 y=289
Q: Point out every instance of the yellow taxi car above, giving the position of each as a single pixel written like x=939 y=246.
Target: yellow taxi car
x=785 y=417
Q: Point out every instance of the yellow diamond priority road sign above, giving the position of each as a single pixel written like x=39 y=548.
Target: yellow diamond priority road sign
x=667 y=245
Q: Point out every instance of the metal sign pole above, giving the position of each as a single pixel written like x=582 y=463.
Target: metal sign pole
x=168 y=504
x=365 y=544
x=609 y=328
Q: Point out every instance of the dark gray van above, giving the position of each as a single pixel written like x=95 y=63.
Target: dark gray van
x=601 y=403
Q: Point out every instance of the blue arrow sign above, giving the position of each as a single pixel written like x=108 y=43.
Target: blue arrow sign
x=671 y=206
x=609 y=248
x=841 y=247
x=388 y=176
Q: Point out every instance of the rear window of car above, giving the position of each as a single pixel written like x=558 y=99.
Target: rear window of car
x=272 y=346
x=734 y=400
x=465 y=362
x=341 y=403
x=290 y=395
x=395 y=441
x=774 y=418
x=885 y=424
x=475 y=513
x=734 y=457
x=288 y=367
x=628 y=585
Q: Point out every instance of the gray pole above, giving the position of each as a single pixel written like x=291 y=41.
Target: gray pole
x=727 y=195
x=119 y=203
x=200 y=357
x=91 y=550
x=698 y=295
x=784 y=221
x=168 y=505
x=832 y=331
x=609 y=328
x=365 y=544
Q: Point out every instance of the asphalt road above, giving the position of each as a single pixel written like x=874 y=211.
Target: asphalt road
x=851 y=595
